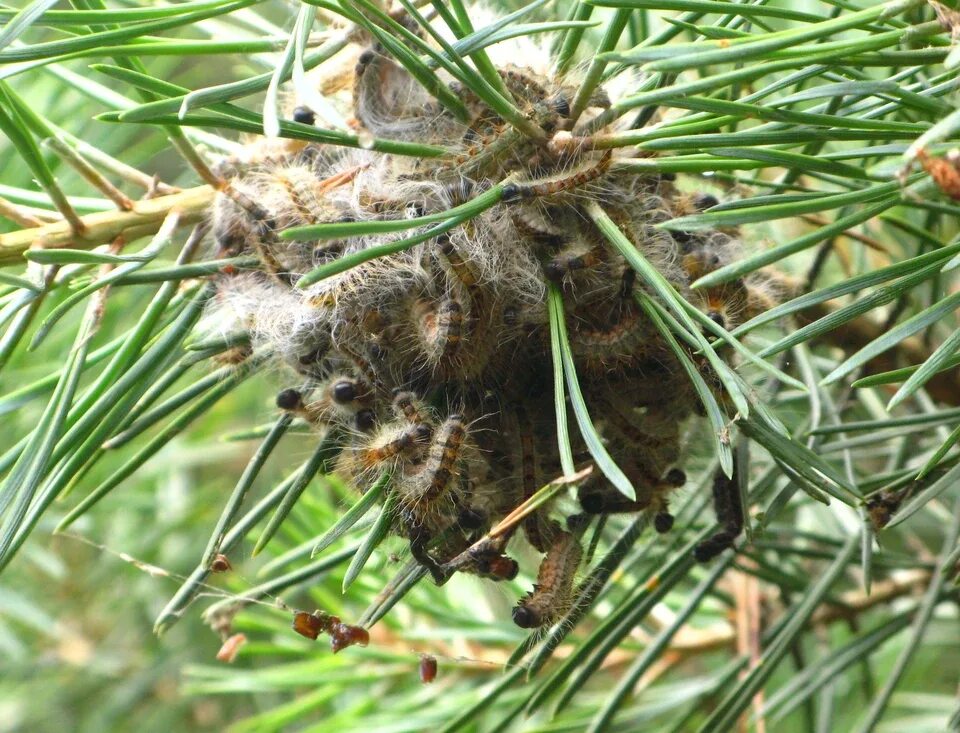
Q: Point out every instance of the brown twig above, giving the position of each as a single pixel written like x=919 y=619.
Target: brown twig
x=19 y=214
x=747 y=623
x=143 y=220
x=849 y=233
x=690 y=641
x=117 y=168
x=89 y=173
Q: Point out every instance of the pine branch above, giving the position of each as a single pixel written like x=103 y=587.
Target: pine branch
x=142 y=220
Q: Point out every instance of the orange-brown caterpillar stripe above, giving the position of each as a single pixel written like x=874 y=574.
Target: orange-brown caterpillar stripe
x=403 y=441
x=521 y=191
x=443 y=456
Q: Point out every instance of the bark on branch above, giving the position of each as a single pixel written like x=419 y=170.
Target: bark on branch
x=143 y=220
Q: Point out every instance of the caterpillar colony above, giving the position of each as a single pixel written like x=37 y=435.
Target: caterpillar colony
x=435 y=363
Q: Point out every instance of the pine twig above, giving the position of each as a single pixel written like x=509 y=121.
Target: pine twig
x=143 y=220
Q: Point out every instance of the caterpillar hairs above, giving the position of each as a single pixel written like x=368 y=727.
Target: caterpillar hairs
x=435 y=362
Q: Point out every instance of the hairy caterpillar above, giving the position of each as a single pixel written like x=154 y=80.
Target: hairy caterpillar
x=435 y=361
x=552 y=595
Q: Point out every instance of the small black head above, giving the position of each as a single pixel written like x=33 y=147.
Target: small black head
x=289 y=399
x=445 y=245
x=675 y=477
x=343 y=391
x=561 y=105
x=525 y=618
x=592 y=503
x=704 y=552
x=510 y=193
x=704 y=201
x=230 y=244
x=304 y=115
x=365 y=420
x=712 y=546
x=717 y=317
x=663 y=522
